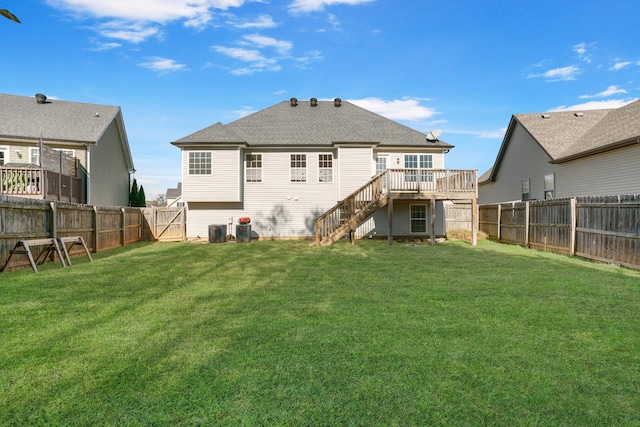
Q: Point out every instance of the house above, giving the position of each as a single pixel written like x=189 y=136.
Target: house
x=61 y=150
x=173 y=197
x=566 y=154
x=300 y=169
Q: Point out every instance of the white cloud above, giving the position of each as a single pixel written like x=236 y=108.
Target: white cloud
x=595 y=105
x=259 y=41
x=263 y=21
x=611 y=90
x=581 y=50
x=620 y=65
x=163 y=65
x=483 y=134
x=559 y=74
x=145 y=10
x=257 y=61
x=405 y=109
x=302 y=6
x=130 y=32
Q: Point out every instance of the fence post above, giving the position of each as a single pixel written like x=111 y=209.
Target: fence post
x=123 y=226
x=573 y=216
x=54 y=219
x=499 y=220
x=526 y=224
x=96 y=233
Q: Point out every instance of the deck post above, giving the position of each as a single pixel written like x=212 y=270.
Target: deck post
x=390 y=219
x=432 y=208
x=474 y=221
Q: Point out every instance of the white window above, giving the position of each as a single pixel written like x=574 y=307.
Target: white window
x=253 y=167
x=418 y=220
x=381 y=164
x=325 y=168
x=426 y=162
x=34 y=155
x=411 y=162
x=549 y=186
x=4 y=155
x=199 y=163
x=298 y=168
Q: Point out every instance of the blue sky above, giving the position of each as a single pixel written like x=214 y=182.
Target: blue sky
x=177 y=66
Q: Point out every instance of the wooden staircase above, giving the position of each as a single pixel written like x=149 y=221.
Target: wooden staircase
x=408 y=184
x=347 y=214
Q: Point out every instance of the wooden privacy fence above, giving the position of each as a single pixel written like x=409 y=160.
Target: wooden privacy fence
x=602 y=228
x=101 y=227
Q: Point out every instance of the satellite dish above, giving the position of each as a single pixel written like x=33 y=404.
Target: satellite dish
x=433 y=135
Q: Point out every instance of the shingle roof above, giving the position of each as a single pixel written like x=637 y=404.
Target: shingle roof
x=23 y=118
x=570 y=135
x=321 y=125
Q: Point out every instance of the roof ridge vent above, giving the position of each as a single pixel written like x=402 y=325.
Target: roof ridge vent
x=337 y=102
x=314 y=102
x=41 y=98
x=294 y=101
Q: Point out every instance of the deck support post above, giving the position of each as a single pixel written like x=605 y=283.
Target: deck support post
x=390 y=219
x=432 y=208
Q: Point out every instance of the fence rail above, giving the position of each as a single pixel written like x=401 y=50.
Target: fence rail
x=602 y=228
x=101 y=227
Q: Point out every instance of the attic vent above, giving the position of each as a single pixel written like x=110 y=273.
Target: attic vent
x=579 y=114
x=314 y=102
x=337 y=102
x=41 y=99
x=294 y=102
x=546 y=116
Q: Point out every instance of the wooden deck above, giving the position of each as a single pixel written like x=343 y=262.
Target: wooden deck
x=394 y=184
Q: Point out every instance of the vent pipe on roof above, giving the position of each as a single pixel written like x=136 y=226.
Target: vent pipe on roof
x=41 y=99
x=337 y=102
x=579 y=114
x=546 y=116
x=294 y=102
x=314 y=102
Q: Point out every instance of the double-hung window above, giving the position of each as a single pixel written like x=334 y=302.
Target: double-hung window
x=426 y=162
x=325 y=168
x=253 y=167
x=298 y=168
x=34 y=155
x=199 y=163
x=411 y=162
x=418 y=220
x=526 y=185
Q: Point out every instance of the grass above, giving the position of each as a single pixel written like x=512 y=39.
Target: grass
x=280 y=333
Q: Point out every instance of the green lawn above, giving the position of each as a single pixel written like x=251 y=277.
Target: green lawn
x=280 y=333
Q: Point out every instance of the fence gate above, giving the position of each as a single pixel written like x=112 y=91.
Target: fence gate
x=166 y=224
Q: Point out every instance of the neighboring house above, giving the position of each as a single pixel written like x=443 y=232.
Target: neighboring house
x=173 y=197
x=63 y=150
x=566 y=154
x=289 y=164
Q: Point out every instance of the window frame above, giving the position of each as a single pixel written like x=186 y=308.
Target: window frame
x=254 y=166
x=34 y=153
x=5 y=155
x=526 y=189
x=294 y=170
x=418 y=220
x=192 y=170
x=328 y=157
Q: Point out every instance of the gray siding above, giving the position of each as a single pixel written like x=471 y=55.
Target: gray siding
x=109 y=178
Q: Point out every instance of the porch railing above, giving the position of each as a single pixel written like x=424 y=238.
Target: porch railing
x=347 y=214
x=21 y=181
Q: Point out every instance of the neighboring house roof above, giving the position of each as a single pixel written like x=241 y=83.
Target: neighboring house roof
x=174 y=193
x=22 y=117
x=325 y=124
x=570 y=135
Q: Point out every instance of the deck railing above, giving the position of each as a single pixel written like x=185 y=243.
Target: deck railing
x=347 y=214
x=21 y=181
